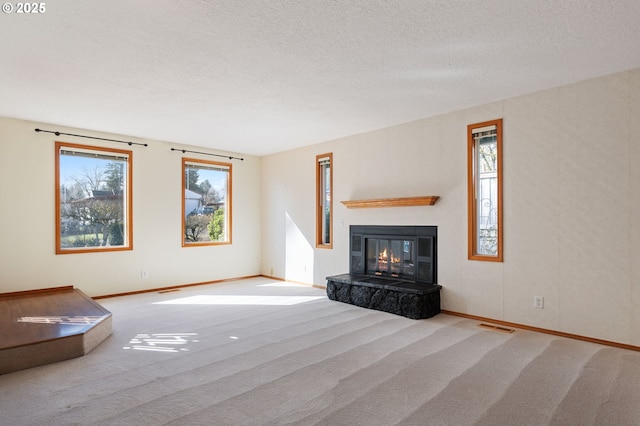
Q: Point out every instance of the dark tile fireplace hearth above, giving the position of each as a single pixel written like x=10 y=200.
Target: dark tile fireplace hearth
x=392 y=269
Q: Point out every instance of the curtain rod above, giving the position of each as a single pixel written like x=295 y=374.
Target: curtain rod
x=207 y=153
x=91 y=137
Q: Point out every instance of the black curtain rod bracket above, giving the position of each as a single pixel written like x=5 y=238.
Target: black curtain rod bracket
x=184 y=151
x=91 y=137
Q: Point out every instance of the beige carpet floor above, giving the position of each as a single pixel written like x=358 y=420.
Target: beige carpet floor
x=263 y=352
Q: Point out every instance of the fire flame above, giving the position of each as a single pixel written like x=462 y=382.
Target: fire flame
x=383 y=257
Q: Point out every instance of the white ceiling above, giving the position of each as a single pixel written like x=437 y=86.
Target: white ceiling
x=259 y=77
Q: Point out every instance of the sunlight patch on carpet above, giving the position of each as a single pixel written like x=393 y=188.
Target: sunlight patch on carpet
x=282 y=284
x=240 y=300
x=162 y=342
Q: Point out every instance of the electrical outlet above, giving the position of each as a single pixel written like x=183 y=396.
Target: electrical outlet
x=538 y=302
x=144 y=274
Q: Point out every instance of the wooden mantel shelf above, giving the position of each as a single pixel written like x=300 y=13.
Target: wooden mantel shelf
x=392 y=202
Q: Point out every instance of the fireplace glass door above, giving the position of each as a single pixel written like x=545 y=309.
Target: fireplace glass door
x=391 y=257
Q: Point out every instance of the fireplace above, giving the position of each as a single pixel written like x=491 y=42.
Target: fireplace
x=405 y=252
x=390 y=256
x=392 y=269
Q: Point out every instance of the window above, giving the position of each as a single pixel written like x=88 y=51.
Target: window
x=324 y=205
x=484 y=144
x=206 y=202
x=93 y=199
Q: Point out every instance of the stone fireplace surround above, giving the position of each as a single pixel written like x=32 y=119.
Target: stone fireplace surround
x=401 y=280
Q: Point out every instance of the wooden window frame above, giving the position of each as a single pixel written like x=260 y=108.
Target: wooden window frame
x=320 y=193
x=472 y=191
x=128 y=215
x=228 y=202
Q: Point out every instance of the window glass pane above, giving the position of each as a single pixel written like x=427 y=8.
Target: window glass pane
x=206 y=202
x=487 y=194
x=326 y=203
x=93 y=199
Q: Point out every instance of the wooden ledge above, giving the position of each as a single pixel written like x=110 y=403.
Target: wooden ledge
x=37 y=292
x=429 y=200
x=39 y=327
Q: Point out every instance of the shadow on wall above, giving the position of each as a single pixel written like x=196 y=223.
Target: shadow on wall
x=298 y=256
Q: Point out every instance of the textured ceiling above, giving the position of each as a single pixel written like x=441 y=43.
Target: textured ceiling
x=258 y=77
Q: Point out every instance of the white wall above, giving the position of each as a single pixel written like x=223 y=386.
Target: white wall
x=571 y=206
x=27 y=244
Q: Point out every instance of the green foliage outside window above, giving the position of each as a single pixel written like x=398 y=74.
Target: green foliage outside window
x=216 y=225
